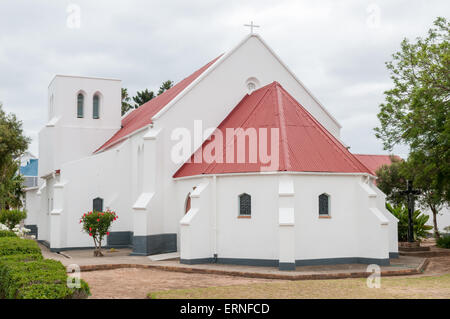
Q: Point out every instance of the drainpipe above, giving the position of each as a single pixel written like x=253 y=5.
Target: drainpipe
x=214 y=202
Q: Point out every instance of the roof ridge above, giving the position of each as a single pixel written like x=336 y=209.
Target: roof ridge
x=282 y=125
x=227 y=142
x=324 y=132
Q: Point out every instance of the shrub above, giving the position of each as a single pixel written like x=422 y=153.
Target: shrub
x=16 y=246
x=97 y=225
x=12 y=217
x=419 y=222
x=23 y=258
x=36 y=279
x=443 y=242
x=24 y=274
x=7 y=233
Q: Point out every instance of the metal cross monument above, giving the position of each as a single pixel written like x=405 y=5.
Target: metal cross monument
x=410 y=192
x=251 y=25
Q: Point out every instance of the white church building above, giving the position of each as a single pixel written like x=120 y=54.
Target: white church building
x=238 y=163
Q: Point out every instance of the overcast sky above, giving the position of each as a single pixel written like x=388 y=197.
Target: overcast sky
x=336 y=48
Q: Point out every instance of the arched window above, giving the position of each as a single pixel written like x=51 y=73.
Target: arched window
x=96 y=107
x=245 y=205
x=187 y=205
x=97 y=204
x=324 y=205
x=80 y=105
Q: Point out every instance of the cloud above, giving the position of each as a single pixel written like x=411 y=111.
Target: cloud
x=336 y=48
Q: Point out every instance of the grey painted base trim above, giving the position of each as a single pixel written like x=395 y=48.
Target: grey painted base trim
x=344 y=260
x=393 y=255
x=197 y=261
x=120 y=238
x=286 y=266
x=154 y=244
x=248 y=262
x=33 y=230
x=232 y=261
x=55 y=250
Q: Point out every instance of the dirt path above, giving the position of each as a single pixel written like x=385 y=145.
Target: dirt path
x=137 y=283
x=438 y=266
x=133 y=283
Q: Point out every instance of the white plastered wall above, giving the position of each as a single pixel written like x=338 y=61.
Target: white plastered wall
x=353 y=231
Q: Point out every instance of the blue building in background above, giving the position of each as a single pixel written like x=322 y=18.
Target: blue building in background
x=29 y=170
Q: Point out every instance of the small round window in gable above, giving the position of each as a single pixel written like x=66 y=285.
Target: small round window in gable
x=252 y=84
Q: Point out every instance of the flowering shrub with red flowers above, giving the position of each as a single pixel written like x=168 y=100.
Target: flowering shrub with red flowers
x=97 y=225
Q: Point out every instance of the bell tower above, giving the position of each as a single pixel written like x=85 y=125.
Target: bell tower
x=83 y=113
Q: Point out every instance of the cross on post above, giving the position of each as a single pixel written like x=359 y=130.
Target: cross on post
x=251 y=25
x=410 y=192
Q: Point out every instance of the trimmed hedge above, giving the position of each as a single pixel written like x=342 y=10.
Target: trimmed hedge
x=7 y=233
x=16 y=245
x=444 y=241
x=24 y=274
x=22 y=258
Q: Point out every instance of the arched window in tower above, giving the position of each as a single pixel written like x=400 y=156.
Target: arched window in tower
x=96 y=107
x=324 y=205
x=80 y=105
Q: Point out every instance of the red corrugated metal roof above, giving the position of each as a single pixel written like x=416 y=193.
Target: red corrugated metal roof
x=374 y=162
x=143 y=115
x=304 y=144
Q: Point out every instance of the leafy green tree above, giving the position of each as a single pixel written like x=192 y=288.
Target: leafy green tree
x=419 y=222
x=391 y=180
x=143 y=97
x=13 y=144
x=97 y=225
x=126 y=106
x=11 y=185
x=166 y=85
x=416 y=112
x=12 y=217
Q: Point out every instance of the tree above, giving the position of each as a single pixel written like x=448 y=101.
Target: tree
x=165 y=86
x=126 y=106
x=416 y=112
x=11 y=185
x=13 y=144
x=97 y=225
x=11 y=218
x=143 y=97
x=391 y=180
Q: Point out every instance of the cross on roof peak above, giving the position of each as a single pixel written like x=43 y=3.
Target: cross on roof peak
x=251 y=25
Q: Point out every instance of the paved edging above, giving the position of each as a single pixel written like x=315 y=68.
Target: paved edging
x=402 y=272
x=425 y=254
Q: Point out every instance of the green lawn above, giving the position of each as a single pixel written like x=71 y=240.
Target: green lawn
x=391 y=287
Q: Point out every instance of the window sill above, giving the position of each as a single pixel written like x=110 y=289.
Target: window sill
x=325 y=217
x=244 y=216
